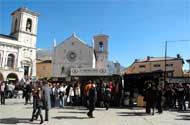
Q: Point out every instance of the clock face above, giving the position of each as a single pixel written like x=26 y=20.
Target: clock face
x=71 y=56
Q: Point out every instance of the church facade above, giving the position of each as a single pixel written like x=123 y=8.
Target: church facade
x=73 y=57
x=18 y=50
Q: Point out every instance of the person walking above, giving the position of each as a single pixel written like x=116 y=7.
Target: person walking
x=92 y=100
x=86 y=89
x=61 y=91
x=37 y=105
x=77 y=94
x=188 y=95
x=159 y=99
x=2 y=91
x=28 y=92
x=107 y=97
x=46 y=98
x=150 y=94
x=54 y=94
x=181 y=98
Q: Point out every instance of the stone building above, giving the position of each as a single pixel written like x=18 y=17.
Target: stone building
x=172 y=65
x=73 y=57
x=43 y=67
x=18 y=50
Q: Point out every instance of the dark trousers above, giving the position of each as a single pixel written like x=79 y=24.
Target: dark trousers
x=53 y=100
x=106 y=103
x=91 y=108
x=46 y=114
x=148 y=107
x=90 y=113
x=2 y=97
x=159 y=107
x=27 y=98
x=37 y=112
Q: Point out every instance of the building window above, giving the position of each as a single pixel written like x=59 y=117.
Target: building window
x=156 y=65
x=29 y=25
x=15 y=25
x=44 y=68
x=62 y=70
x=101 y=47
x=142 y=66
x=170 y=74
x=169 y=65
x=10 y=61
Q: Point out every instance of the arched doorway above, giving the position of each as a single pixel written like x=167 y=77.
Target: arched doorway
x=12 y=77
x=1 y=77
x=27 y=66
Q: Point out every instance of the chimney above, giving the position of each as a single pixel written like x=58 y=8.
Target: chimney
x=148 y=58
x=178 y=56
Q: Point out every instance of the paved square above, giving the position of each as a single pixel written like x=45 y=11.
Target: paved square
x=15 y=112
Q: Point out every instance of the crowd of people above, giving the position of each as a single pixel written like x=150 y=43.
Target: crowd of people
x=45 y=95
x=48 y=95
x=173 y=96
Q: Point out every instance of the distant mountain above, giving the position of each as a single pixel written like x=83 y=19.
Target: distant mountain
x=41 y=53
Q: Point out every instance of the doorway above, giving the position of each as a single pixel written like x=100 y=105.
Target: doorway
x=26 y=70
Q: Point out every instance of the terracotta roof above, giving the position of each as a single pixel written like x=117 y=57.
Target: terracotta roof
x=152 y=59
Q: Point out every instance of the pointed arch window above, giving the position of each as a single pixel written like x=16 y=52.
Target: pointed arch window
x=101 y=47
x=15 y=25
x=10 y=61
x=29 y=25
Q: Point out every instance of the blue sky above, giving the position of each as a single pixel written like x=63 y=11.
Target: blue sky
x=137 y=28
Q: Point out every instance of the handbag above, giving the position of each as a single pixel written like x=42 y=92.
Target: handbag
x=68 y=99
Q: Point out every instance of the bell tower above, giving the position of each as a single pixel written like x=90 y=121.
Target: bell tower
x=24 y=26
x=24 y=29
x=101 y=50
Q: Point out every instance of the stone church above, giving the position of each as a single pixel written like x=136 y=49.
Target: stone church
x=73 y=57
x=18 y=50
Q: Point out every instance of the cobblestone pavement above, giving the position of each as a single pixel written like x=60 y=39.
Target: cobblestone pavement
x=15 y=112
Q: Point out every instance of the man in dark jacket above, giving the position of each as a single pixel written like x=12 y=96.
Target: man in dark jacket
x=92 y=100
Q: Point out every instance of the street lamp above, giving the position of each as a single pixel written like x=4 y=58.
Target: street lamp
x=166 y=44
